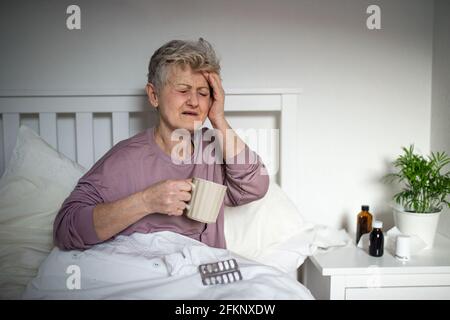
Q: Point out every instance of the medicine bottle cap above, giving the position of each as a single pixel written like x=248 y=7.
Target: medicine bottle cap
x=377 y=224
x=365 y=208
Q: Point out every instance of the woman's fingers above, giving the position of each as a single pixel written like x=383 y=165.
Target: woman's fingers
x=184 y=196
x=182 y=185
x=216 y=82
x=212 y=80
x=181 y=205
x=179 y=193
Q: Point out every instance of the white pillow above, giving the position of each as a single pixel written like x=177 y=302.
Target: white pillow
x=257 y=229
x=272 y=231
x=34 y=185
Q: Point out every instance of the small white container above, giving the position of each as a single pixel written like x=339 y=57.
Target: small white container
x=403 y=247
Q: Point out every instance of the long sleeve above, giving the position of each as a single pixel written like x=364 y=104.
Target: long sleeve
x=246 y=178
x=74 y=226
x=105 y=182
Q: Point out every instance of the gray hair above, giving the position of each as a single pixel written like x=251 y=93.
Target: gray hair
x=199 y=55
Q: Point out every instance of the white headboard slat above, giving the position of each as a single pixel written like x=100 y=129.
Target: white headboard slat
x=120 y=126
x=47 y=128
x=84 y=139
x=11 y=122
x=289 y=148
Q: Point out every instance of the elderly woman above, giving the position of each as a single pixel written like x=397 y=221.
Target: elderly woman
x=138 y=187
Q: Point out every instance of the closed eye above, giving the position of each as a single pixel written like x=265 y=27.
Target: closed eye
x=202 y=94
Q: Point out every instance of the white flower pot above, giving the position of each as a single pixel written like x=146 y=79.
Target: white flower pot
x=423 y=225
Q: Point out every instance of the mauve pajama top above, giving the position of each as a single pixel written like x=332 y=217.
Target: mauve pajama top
x=136 y=163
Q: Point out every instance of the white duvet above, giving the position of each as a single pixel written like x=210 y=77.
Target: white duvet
x=162 y=265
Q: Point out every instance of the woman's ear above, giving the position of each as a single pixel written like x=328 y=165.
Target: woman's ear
x=152 y=94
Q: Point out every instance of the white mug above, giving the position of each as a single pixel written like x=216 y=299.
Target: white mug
x=206 y=200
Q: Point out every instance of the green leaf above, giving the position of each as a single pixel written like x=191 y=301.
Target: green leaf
x=425 y=186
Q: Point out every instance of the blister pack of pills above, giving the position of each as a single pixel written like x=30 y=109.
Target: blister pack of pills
x=221 y=272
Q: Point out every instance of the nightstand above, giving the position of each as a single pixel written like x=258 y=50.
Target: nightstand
x=350 y=273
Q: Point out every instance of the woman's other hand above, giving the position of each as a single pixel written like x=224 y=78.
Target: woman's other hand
x=216 y=112
x=167 y=197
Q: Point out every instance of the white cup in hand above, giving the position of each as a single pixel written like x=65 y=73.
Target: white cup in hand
x=206 y=200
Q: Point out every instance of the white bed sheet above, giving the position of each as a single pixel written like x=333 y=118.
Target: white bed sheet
x=162 y=265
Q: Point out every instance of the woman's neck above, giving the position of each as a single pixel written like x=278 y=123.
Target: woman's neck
x=163 y=137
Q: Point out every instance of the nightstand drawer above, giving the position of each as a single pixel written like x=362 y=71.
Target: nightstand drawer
x=398 y=293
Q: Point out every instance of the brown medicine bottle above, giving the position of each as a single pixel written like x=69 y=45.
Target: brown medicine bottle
x=363 y=222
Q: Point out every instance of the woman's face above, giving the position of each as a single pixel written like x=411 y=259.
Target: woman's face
x=184 y=101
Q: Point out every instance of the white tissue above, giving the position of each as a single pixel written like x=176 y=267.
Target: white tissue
x=363 y=242
x=416 y=244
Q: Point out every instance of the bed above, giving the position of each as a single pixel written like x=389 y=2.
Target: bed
x=268 y=238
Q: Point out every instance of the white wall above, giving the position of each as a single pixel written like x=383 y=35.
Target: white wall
x=440 y=111
x=365 y=93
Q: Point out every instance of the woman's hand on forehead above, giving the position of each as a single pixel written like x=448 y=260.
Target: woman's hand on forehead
x=216 y=112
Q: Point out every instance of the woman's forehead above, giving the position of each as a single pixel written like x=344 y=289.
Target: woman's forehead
x=187 y=77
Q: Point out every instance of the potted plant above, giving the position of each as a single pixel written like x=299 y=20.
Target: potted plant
x=426 y=187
